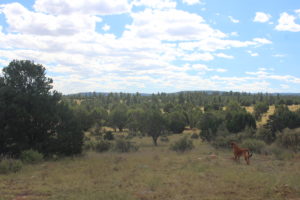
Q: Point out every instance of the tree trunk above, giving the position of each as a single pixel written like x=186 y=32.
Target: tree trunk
x=154 y=140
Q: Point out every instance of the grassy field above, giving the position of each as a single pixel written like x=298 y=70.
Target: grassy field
x=156 y=173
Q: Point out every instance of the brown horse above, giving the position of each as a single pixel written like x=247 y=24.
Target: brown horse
x=238 y=152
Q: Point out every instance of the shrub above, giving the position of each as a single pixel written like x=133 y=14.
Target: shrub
x=10 y=165
x=89 y=145
x=290 y=139
x=31 y=157
x=254 y=145
x=122 y=145
x=182 y=145
x=266 y=135
x=102 y=146
x=224 y=141
x=194 y=136
x=108 y=135
x=164 y=139
x=279 y=153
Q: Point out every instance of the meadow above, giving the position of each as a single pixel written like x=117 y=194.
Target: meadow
x=156 y=173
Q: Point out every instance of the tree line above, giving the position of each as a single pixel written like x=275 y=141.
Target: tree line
x=34 y=116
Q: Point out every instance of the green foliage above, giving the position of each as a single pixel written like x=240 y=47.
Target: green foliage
x=8 y=165
x=224 y=141
x=123 y=146
x=194 y=136
x=135 y=119
x=259 y=109
x=265 y=135
x=31 y=157
x=209 y=123
x=279 y=152
x=238 y=120
x=176 y=122
x=102 y=146
x=154 y=124
x=182 y=145
x=108 y=135
x=119 y=116
x=254 y=145
x=33 y=117
x=290 y=139
x=283 y=118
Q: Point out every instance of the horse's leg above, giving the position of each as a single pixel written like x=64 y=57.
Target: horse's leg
x=246 y=158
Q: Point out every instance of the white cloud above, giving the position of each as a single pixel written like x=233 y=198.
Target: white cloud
x=233 y=20
x=91 y=7
x=204 y=68
x=253 y=53
x=262 y=17
x=191 y=2
x=198 y=56
x=156 y=4
x=213 y=44
x=279 y=55
x=284 y=86
x=106 y=27
x=170 y=25
x=286 y=22
x=262 y=41
x=142 y=57
x=22 y=20
x=235 y=34
x=223 y=55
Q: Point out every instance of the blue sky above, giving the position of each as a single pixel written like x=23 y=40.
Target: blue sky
x=158 y=45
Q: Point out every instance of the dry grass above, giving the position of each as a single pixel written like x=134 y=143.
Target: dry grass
x=155 y=173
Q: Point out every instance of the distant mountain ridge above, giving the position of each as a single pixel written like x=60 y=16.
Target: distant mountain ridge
x=87 y=94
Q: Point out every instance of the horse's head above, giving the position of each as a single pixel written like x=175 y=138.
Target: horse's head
x=232 y=144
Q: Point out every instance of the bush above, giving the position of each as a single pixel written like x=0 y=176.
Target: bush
x=102 y=146
x=89 y=145
x=108 y=136
x=31 y=157
x=266 y=135
x=164 y=139
x=122 y=145
x=182 y=145
x=10 y=165
x=224 y=141
x=254 y=145
x=290 y=139
x=279 y=153
x=194 y=136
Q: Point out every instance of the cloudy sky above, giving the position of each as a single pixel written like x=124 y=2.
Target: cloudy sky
x=156 y=45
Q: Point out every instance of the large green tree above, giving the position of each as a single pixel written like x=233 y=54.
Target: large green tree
x=154 y=124
x=31 y=115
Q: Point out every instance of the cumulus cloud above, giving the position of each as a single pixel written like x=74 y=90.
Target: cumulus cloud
x=170 y=25
x=191 y=2
x=155 y=4
x=233 y=20
x=146 y=55
x=253 y=53
x=223 y=55
x=106 y=27
x=262 y=17
x=286 y=22
x=21 y=20
x=91 y=7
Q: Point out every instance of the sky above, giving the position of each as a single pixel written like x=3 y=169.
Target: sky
x=151 y=46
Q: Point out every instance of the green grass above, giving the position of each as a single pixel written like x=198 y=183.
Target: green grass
x=155 y=173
